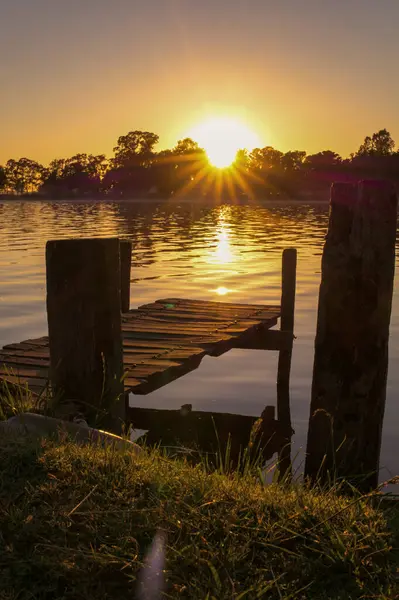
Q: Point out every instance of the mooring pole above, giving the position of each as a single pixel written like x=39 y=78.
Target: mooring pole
x=351 y=348
x=288 y=286
x=84 y=322
x=126 y=265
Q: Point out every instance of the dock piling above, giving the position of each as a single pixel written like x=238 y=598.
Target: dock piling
x=351 y=347
x=288 y=287
x=126 y=265
x=84 y=322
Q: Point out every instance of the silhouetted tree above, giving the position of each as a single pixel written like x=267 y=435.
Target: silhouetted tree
x=78 y=175
x=265 y=159
x=242 y=160
x=24 y=175
x=135 y=148
x=379 y=144
x=321 y=161
x=191 y=163
x=293 y=160
x=3 y=179
x=130 y=169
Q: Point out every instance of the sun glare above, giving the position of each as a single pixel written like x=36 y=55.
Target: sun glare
x=221 y=137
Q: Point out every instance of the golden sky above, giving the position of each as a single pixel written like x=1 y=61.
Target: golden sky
x=302 y=74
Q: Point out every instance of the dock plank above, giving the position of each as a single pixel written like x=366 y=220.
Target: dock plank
x=162 y=341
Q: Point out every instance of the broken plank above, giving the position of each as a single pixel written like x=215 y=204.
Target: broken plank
x=131 y=382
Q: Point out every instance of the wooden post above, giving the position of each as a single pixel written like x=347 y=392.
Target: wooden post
x=84 y=322
x=351 y=348
x=126 y=265
x=284 y=361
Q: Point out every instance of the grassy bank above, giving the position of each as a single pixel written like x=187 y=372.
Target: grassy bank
x=77 y=523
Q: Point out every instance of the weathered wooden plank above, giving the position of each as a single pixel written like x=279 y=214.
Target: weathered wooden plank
x=181 y=352
x=173 y=357
x=34 y=386
x=215 y=307
x=42 y=341
x=157 y=363
x=127 y=351
x=193 y=329
x=147 y=370
x=28 y=344
x=241 y=327
x=22 y=372
x=200 y=318
x=182 y=321
x=131 y=382
x=150 y=344
x=185 y=336
x=202 y=326
x=44 y=354
x=177 y=316
x=185 y=354
x=210 y=303
x=16 y=361
x=158 y=327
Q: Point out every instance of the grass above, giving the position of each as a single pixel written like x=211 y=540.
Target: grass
x=78 y=522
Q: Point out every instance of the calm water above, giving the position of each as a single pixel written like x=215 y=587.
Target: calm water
x=195 y=252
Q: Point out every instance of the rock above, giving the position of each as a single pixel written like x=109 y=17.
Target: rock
x=42 y=426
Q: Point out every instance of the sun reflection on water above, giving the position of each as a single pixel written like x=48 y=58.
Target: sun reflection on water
x=222 y=291
x=223 y=253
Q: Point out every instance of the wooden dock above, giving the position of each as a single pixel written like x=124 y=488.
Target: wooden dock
x=162 y=341
x=98 y=350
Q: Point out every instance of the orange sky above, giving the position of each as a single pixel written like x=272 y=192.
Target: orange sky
x=304 y=74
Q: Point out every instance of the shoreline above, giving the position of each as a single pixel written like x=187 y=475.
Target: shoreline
x=171 y=200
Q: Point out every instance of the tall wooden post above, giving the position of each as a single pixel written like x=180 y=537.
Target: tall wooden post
x=351 y=349
x=84 y=322
x=126 y=265
x=284 y=361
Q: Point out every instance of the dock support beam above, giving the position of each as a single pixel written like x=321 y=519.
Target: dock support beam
x=84 y=321
x=284 y=361
x=351 y=348
x=126 y=265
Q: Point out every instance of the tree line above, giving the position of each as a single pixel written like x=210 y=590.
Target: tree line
x=137 y=169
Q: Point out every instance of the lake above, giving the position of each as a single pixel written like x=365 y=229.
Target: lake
x=213 y=252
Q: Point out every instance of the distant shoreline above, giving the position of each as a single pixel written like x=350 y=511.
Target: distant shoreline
x=321 y=199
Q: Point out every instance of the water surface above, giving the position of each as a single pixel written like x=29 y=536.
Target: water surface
x=223 y=252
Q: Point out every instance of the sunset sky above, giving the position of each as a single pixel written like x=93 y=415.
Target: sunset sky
x=302 y=74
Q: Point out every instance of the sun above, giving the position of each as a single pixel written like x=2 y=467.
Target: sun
x=221 y=137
